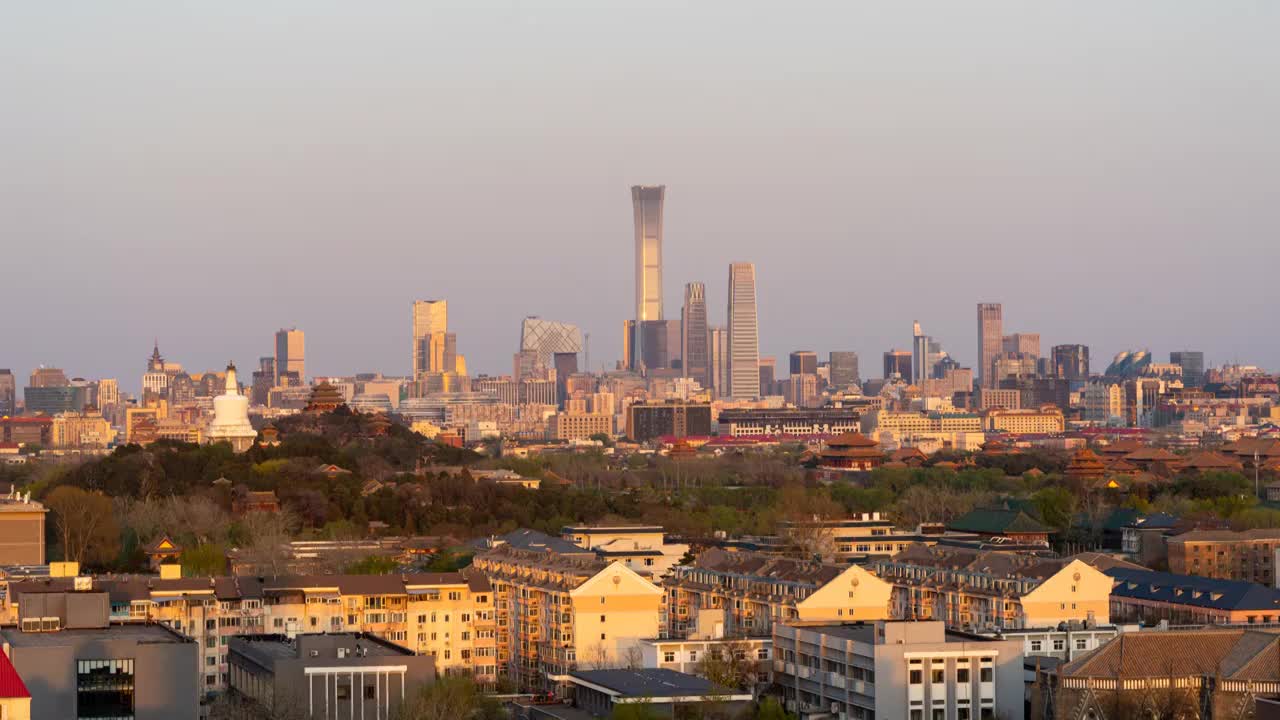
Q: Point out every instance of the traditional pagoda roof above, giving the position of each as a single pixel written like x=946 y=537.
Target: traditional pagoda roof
x=379 y=424
x=852 y=439
x=324 y=398
x=1208 y=460
x=908 y=455
x=1085 y=464
x=1122 y=467
x=998 y=521
x=1151 y=454
x=163 y=545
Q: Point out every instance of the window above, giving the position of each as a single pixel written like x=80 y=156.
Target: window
x=985 y=675
x=343 y=691
x=762 y=653
x=917 y=715
x=693 y=656
x=962 y=675
x=938 y=675
x=104 y=688
x=668 y=656
x=962 y=713
x=1059 y=644
x=1082 y=644
x=1037 y=645
x=939 y=714
x=370 y=692
x=916 y=677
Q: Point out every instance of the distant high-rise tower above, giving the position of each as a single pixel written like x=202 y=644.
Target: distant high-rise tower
x=646 y=201
x=290 y=353
x=8 y=393
x=804 y=362
x=430 y=327
x=718 y=359
x=1070 y=362
x=744 y=333
x=990 y=339
x=1192 y=364
x=548 y=338
x=897 y=363
x=844 y=369
x=695 y=356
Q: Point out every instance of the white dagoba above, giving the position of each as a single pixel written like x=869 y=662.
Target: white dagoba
x=230 y=422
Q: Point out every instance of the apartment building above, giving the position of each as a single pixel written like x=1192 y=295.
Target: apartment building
x=744 y=594
x=639 y=547
x=449 y=616
x=896 y=669
x=556 y=613
x=1046 y=420
x=1247 y=555
x=994 y=590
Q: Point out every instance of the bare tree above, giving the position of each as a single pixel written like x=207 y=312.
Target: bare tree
x=85 y=523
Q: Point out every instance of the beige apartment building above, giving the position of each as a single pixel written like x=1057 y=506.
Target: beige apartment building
x=639 y=547
x=559 y=612
x=578 y=426
x=81 y=431
x=1247 y=555
x=1046 y=420
x=22 y=530
x=449 y=616
x=993 y=590
x=744 y=594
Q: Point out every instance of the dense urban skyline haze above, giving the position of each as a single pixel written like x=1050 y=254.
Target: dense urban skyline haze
x=209 y=173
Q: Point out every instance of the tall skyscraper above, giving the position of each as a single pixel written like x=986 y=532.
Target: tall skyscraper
x=843 y=366
x=804 y=362
x=1192 y=364
x=768 y=375
x=926 y=355
x=744 y=333
x=1026 y=344
x=290 y=353
x=646 y=202
x=718 y=359
x=8 y=393
x=430 y=325
x=897 y=362
x=1071 y=362
x=694 y=337
x=547 y=338
x=990 y=339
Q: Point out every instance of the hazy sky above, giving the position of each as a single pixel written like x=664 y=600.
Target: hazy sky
x=207 y=172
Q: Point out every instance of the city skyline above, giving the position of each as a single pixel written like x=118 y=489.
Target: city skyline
x=1045 y=168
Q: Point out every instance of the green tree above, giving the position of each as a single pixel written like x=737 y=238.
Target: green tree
x=206 y=560
x=86 y=525
x=770 y=709
x=453 y=696
x=372 y=565
x=1056 y=506
x=633 y=711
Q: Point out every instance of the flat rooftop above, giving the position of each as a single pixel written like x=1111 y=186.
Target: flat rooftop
x=650 y=683
x=137 y=632
x=267 y=649
x=866 y=632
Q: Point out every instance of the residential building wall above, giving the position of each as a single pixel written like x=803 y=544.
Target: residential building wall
x=900 y=670
x=1248 y=555
x=1046 y=420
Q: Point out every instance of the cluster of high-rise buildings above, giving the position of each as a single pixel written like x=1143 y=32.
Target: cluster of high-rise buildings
x=552 y=393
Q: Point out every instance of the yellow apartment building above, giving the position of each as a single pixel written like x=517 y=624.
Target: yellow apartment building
x=447 y=615
x=744 y=594
x=994 y=590
x=1044 y=421
x=556 y=613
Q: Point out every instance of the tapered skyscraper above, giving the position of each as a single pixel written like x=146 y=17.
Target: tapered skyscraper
x=744 y=333
x=990 y=339
x=646 y=202
x=694 y=355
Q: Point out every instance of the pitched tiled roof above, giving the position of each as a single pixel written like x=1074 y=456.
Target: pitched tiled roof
x=997 y=521
x=1161 y=654
x=1193 y=590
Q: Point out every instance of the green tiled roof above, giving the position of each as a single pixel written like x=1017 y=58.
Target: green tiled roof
x=997 y=521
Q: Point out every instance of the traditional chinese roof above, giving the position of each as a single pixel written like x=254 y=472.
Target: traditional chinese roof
x=1085 y=464
x=324 y=398
x=998 y=521
x=1210 y=461
x=163 y=545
